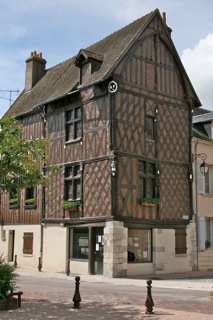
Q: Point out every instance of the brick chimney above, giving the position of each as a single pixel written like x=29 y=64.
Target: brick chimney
x=35 y=67
x=164 y=20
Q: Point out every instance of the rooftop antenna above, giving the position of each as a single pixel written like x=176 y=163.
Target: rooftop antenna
x=10 y=91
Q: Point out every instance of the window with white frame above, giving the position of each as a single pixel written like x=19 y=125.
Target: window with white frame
x=204 y=181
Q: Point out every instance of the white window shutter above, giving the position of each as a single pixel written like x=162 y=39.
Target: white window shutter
x=201 y=233
x=200 y=180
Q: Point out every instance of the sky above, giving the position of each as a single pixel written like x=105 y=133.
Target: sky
x=60 y=28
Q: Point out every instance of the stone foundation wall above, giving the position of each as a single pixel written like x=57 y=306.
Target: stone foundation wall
x=115 y=249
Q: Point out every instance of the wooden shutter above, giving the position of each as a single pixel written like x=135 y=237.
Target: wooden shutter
x=28 y=243
x=200 y=180
x=201 y=233
x=180 y=241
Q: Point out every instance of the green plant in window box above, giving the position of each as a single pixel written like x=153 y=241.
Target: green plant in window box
x=148 y=201
x=70 y=206
x=30 y=201
x=13 y=201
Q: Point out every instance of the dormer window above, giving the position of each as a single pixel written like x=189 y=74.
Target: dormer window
x=88 y=62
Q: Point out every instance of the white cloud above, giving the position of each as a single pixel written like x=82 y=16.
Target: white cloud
x=198 y=63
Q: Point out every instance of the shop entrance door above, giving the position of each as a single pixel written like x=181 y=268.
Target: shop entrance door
x=99 y=251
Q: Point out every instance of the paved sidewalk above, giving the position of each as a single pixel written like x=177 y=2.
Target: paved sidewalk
x=56 y=303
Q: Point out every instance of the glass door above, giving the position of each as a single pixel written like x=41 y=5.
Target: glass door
x=99 y=251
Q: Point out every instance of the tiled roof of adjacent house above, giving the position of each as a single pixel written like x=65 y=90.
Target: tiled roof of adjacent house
x=63 y=78
x=198 y=111
x=197 y=133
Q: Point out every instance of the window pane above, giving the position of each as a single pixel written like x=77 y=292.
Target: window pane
x=80 y=248
x=150 y=188
x=69 y=190
x=74 y=124
x=78 y=189
x=69 y=172
x=150 y=168
x=70 y=132
x=139 y=245
x=149 y=128
x=77 y=170
x=73 y=183
x=146 y=172
x=70 y=115
x=77 y=129
x=30 y=193
x=78 y=113
x=141 y=167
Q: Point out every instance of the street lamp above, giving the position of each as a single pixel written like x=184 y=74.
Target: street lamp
x=203 y=167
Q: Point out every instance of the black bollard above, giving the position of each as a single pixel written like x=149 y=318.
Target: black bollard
x=15 y=262
x=39 y=264
x=149 y=302
x=68 y=267
x=77 y=298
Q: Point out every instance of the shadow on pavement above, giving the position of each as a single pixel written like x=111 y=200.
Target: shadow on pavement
x=44 y=309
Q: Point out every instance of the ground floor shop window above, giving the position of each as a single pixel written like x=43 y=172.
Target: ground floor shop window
x=139 y=245
x=80 y=248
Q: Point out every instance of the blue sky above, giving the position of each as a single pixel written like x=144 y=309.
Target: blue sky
x=60 y=28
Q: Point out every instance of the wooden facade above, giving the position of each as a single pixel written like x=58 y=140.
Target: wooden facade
x=151 y=81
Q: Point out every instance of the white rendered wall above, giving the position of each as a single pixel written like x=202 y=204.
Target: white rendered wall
x=23 y=260
x=55 y=247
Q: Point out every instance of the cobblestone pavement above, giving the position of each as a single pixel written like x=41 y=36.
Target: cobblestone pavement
x=49 y=296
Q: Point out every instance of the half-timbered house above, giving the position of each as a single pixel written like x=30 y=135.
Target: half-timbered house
x=118 y=118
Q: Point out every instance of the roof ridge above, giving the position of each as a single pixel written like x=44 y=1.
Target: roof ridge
x=121 y=29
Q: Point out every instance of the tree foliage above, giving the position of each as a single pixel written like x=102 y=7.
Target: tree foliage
x=8 y=277
x=20 y=160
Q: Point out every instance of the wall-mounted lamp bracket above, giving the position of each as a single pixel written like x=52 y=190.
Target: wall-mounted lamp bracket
x=203 y=167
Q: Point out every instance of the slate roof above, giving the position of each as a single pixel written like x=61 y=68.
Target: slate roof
x=63 y=78
x=199 y=111
x=199 y=134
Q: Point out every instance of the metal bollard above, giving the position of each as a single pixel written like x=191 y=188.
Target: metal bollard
x=77 y=298
x=15 y=262
x=149 y=302
x=39 y=264
x=68 y=267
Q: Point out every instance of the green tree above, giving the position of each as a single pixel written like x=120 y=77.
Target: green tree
x=20 y=160
x=8 y=278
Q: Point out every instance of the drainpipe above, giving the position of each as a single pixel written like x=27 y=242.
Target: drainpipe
x=42 y=199
x=196 y=205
